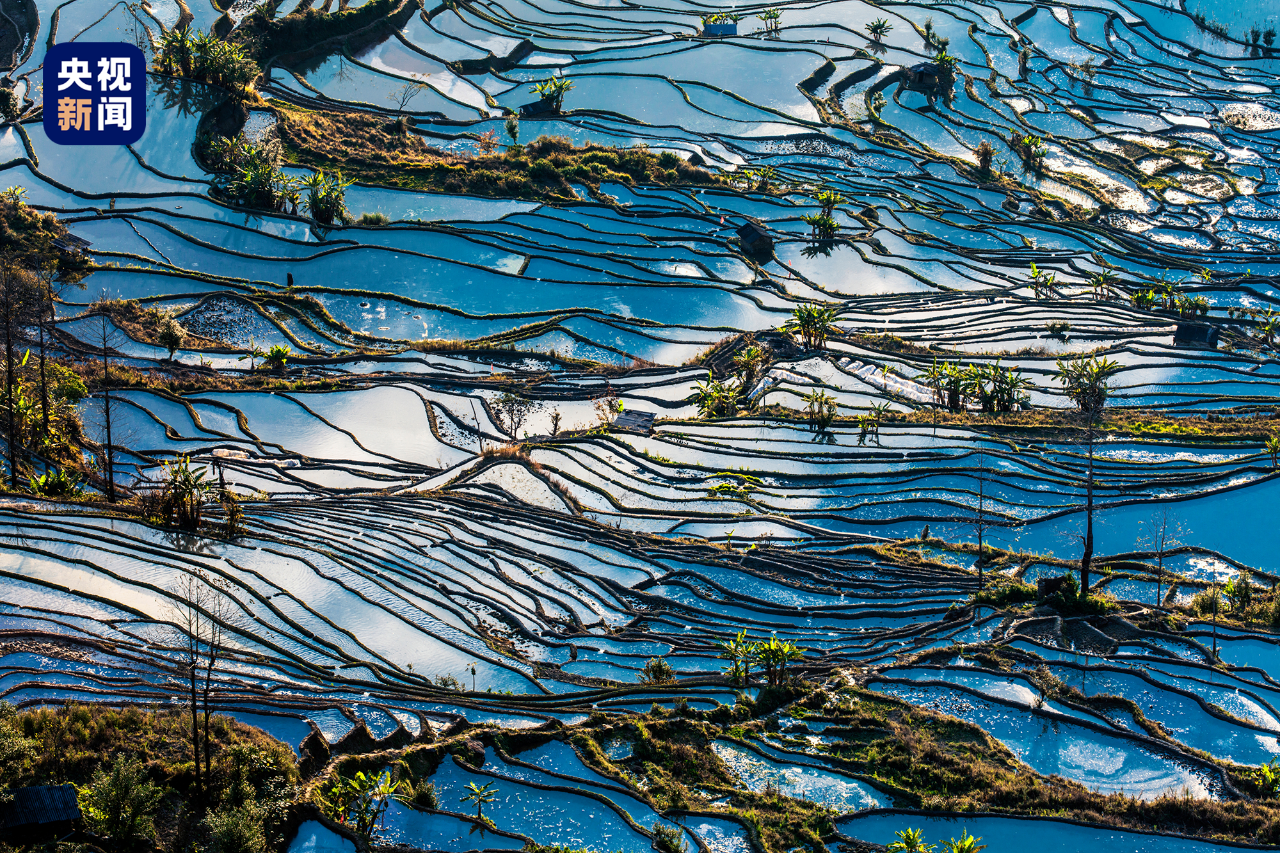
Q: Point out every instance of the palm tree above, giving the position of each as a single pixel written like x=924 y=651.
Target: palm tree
x=1103 y=285
x=555 y=89
x=821 y=226
x=747 y=364
x=830 y=200
x=738 y=652
x=1085 y=382
x=252 y=354
x=910 y=841
x=279 y=356
x=966 y=843
x=1042 y=282
x=480 y=795
x=935 y=378
x=820 y=409
x=812 y=323
x=774 y=655
x=1273 y=449
x=715 y=399
x=879 y=28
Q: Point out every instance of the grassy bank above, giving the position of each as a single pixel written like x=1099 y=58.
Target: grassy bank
x=370 y=149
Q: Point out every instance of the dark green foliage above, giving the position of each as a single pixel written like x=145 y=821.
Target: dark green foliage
x=120 y=802
x=207 y=58
x=262 y=37
x=669 y=839
x=657 y=671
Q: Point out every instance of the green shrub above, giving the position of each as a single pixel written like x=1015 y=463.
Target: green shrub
x=424 y=796
x=657 y=671
x=237 y=830
x=374 y=219
x=669 y=839
x=543 y=170
x=16 y=750
x=120 y=802
x=669 y=159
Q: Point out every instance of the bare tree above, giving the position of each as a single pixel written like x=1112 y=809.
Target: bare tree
x=1162 y=533
x=407 y=93
x=200 y=615
x=512 y=411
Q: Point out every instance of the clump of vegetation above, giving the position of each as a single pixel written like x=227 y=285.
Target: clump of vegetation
x=206 y=58
x=27 y=237
x=1032 y=149
x=133 y=771
x=1069 y=600
x=360 y=801
x=553 y=91
x=1005 y=594
x=264 y=37
x=657 y=671
x=812 y=324
x=998 y=390
x=365 y=148
x=249 y=174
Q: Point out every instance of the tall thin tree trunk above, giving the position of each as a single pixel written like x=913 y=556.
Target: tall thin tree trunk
x=106 y=417
x=1159 y=574
x=195 y=716
x=44 y=384
x=210 y=662
x=45 y=310
x=9 y=382
x=1087 y=557
x=982 y=521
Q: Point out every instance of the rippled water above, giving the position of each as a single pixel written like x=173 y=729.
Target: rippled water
x=382 y=549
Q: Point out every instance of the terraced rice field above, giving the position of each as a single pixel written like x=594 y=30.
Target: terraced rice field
x=416 y=562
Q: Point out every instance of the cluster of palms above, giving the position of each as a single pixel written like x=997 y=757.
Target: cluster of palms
x=1165 y=297
x=912 y=841
x=1043 y=282
x=723 y=18
x=1032 y=149
x=1104 y=285
x=869 y=422
x=812 y=324
x=772 y=18
x=553 y=90
x=932 y=40
x=823 y=225
x=996 y=389
x=724 y=398
x=820 y=410
x=250 y=175
x=761 y=179
x=946 y=71
x=771 y=655
x=205 y=57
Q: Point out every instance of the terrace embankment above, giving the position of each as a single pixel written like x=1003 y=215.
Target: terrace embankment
x=370 y=149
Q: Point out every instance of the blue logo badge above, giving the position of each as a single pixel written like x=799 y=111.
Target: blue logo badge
x=95 y=93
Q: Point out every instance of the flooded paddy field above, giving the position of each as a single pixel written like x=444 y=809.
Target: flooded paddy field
x=694 y=461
